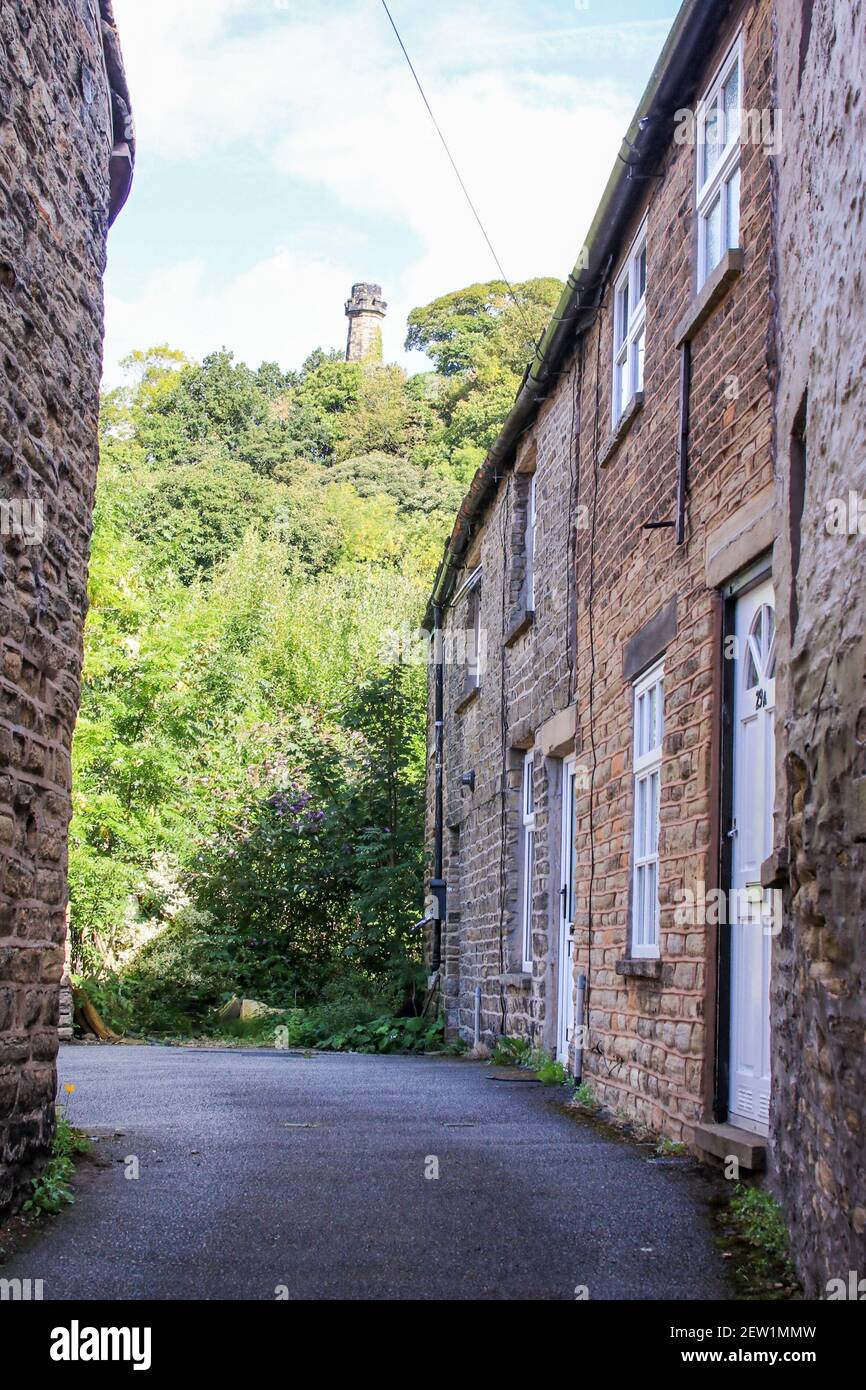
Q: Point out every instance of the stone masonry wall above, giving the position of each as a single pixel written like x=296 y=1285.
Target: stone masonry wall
x=365 y=310
x=525 y=679
x=819 y=995
x=56 y=141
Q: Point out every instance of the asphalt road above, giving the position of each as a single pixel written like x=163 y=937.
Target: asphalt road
x=267 y=1172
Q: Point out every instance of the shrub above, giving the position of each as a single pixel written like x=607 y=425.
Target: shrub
x=385 y=1035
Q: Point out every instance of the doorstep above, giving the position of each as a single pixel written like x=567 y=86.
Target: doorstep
x=721 y=1141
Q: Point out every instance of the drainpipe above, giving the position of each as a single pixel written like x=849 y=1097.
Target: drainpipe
x=477 y=1029
x=685 y=413
x=437 y=883
x=579 y=1006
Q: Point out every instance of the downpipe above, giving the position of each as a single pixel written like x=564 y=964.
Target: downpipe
x=579 y=1007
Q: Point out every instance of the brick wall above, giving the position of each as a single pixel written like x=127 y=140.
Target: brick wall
x=57 y=134
x=650 y=1052
x=819 y=999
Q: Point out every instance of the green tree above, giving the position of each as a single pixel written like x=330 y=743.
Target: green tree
x=479 y=340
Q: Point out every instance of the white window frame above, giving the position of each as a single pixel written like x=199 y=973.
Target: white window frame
x=527 y=846
x=629 y=324
x=718 y=184
x=474 y=655
x=647 y=737
x=529 y=544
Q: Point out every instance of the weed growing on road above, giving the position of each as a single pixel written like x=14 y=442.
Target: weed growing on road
x=52 y=1190
x=755 y=1232
x=550 y=1072
x=511 y=1052
x=585 y=1095
x=669 y=1148
x=759 y=1221
x=519 y=1052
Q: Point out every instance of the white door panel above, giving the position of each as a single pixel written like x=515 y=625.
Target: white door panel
x=750 y=908
x=565 y=957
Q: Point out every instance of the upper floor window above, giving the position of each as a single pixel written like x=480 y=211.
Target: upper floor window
x=529 y=545
x=718 y=171
x=629 y=327
x=648 y=733
x=474 y=635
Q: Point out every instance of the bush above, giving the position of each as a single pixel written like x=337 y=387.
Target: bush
x=384 y=1035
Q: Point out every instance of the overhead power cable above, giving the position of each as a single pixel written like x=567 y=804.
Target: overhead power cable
x=466 y=193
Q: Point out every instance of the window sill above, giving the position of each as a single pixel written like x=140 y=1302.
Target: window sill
x=624 y=424
x=520 y=623
x=714 y=289
x=522 y=979
x=467 y=699
x=641 y=968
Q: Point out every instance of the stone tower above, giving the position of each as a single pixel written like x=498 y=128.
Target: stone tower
x=365 y=311
x=66 y=156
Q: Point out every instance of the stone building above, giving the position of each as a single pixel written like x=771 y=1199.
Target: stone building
x=508 y=682
x=819 y=968
x=66 y=153
x=365 y=310
x=612 y=799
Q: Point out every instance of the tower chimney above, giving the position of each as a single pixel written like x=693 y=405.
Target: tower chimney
x=365 y=311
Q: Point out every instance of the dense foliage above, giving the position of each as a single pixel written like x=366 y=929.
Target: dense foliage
x=249 y=757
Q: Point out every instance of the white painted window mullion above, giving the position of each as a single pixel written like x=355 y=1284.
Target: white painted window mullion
x=647 y=771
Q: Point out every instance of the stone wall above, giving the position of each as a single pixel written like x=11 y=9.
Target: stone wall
x=526 y=660
x=819 y=997
x=365 y=310
x=65 y=151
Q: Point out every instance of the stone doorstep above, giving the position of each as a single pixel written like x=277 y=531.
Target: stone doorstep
x=723 y=1141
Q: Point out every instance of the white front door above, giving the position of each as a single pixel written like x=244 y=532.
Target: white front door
x=750 y=907
x=565 y=956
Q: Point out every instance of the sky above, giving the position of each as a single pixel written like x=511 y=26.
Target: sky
x=284 y=153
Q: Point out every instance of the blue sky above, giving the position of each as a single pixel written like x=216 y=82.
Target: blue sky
x=284 y=152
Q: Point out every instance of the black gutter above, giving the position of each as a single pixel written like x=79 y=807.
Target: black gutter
x=671 y=88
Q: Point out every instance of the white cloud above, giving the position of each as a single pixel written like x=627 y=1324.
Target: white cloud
x=271 y=311
x=329 y=104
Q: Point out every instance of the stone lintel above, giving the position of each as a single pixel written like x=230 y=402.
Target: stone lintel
x=742 y=537
x=557 y=734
